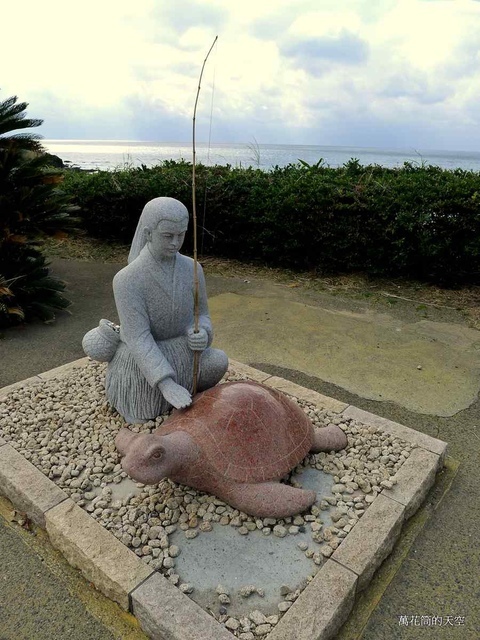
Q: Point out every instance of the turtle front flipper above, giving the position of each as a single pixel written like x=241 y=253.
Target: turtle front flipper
x=267 y=499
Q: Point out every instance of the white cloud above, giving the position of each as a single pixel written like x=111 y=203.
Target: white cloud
x=359 y=72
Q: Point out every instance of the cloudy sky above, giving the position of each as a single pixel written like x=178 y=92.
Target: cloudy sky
x=372 y=73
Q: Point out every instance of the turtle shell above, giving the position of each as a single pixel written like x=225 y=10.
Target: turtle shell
x=247 y=432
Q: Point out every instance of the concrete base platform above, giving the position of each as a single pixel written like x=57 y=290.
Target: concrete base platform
x=162 y=610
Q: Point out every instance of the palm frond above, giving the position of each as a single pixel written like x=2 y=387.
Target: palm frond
x=26 y=141
x=13 y=116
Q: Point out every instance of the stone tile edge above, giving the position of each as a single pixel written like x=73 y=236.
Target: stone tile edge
x=362 y=530
x=418 y=438
x=20 y=498
x=104 y=573
x=294 y=625
x=250 y=372
x=415 y=479
x=18 y=476
x=163 y=611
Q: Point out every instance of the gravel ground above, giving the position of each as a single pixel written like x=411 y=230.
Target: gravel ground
x=67 y=430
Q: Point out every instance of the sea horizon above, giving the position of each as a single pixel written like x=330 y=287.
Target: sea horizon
x=91 y=154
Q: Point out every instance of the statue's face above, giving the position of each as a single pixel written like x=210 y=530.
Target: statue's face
x=167 y=238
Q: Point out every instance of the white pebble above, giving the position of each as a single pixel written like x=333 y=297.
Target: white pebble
x=186 y=588
x=232 y=623
x=257 y=617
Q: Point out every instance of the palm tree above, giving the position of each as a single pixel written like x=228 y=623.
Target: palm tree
x=31 y=204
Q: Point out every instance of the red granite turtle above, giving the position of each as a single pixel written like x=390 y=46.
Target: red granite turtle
x=237 y=440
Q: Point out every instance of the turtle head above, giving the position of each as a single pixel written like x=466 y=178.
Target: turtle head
x=148 y=458
x=143 y=456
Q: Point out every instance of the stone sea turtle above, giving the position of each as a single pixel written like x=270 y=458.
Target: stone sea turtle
x=237 y=441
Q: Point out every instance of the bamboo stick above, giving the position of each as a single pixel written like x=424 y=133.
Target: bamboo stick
x=196 y=284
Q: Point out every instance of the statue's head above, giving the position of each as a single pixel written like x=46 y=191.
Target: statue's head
x=162 y=226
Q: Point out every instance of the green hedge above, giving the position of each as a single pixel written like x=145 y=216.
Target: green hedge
x=421 y=222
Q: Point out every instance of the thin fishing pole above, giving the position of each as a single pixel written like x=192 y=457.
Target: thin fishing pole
x=208 y=153
x=196 y=283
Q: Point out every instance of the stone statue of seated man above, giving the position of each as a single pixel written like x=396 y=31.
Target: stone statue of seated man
x=150 y=355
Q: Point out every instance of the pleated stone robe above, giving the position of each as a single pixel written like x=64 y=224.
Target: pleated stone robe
x=155 y=306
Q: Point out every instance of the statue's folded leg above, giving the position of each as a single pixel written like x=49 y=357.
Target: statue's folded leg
x=213 y=366
x=132 y=396
x=129 y=392
x=133 y=420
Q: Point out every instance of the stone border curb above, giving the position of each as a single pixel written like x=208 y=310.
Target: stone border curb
x=250 y=372
x=165 y=612
x=322 y=608
x=26 y=487
x=371 y=539
x=162 y=610
x=105 y=561
x=414 y=479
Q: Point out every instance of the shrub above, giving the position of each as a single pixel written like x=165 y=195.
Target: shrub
x=31 y=203
x=421 y=222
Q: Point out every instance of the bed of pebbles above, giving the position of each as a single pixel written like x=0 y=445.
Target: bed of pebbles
x=67 y=430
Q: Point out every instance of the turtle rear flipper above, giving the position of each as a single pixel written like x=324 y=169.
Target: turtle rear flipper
x=267 y=499
x=330 y=438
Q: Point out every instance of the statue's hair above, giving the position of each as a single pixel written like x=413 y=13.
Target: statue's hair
x=153 y=213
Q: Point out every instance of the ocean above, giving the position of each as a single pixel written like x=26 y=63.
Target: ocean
x=119 y=154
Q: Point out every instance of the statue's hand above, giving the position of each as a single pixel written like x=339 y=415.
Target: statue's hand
x=175 y=394
x=197 y=341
